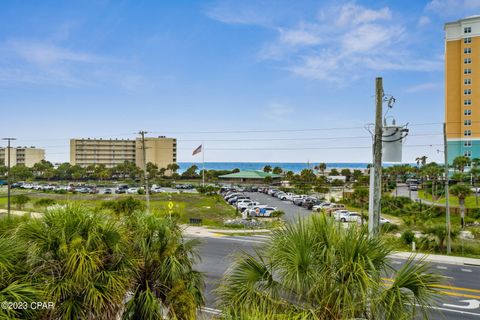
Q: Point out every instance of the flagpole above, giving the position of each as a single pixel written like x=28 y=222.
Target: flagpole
x=203 y=165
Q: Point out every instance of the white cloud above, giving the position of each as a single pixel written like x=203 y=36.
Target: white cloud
x=423 y=21
x=452 y=7
x=343 y=43
x=351 y=14
x=424 y=87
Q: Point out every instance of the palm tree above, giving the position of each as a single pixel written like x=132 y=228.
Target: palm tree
x=164 y=282
x=461 y=162
x=81 y=260
x=360 y=195
x=421 y=160
x=277 y=170
x=322 y=167
x=15 y=285
x=267 y=168
x=315 y=270
x=461 y=191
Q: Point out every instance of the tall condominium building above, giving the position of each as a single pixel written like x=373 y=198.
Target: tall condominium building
x=161 y=151
x=462 y=87
x=26 y=156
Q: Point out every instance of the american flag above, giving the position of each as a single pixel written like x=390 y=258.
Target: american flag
x=198 y=150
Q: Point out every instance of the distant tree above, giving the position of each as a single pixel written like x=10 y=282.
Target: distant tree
x=235 y=170
x=357 y=174
x=289 y=175
x=360 y=195
x=461 y=191
x=334 y=172
x=277 y=170
x=3 y=170
x=347 y=173
x=173 y=167
x=267 y=180
x=21 y=172
x=267 y=168
x=20 y=201
x=421 y=160
x=126 y=206
x=460 y=162
x=64 y=171
x=152 y=170
x=161 y=172
x=191 y=172
x=322 y=167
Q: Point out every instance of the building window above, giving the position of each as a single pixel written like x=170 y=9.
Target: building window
x=467 y=122
x=467 y=81
x=467 y=153
x=467 y=30
x=467 y=71
x=467 y=40
x=467 y=112
x=467 y=50
x=467 y=102
x=467 y=60
x=467 y=91
x=467 y=133
x=467 y=143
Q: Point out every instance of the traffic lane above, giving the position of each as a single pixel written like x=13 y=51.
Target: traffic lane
x=292 y=212
x=217 y=254
x=455 y=302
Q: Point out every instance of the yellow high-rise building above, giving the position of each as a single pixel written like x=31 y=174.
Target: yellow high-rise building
x=462 y=90
x=26 y=156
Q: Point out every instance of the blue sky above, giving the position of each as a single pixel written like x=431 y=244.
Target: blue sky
x=189 y=68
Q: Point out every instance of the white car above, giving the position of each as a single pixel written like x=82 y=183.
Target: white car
x=319 y=207
x=347 y=216
x=287 y=196
x=132 y=190
x=262 y=211
x=157 y=190
x=383 y=220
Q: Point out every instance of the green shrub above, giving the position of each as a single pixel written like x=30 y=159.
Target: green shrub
x=45 y=202
x=20 y=200
x=408 y=237
x=277 y=214
x=141 y=191
x=125 y=206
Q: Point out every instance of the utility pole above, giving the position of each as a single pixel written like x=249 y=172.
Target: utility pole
x=374 y=213
x=8 y=174
x=447 y=195
x=145 y=174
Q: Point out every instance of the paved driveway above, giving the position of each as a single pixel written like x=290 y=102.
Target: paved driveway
x=291 y=211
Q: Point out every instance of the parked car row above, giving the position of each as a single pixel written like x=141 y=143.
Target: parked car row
x=302 y=200
x=247 y=206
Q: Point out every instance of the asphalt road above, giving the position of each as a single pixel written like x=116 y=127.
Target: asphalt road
x=460 y=298
x=292 y=212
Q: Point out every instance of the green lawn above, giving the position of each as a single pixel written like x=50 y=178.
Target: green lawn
x=211 y=209
x=470 y=201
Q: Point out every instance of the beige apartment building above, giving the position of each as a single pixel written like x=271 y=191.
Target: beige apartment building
x=26 y=156
x=161 y=151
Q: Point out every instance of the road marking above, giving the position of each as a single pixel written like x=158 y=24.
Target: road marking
x=211 y=310
x=441 y=267
x=456 y=288
x=466 y=270
x=243 y=240
x=471 y=304
x=450 y=310
x=461 y=295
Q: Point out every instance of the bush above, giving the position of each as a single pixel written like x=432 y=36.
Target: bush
x=389 y=227
x=207 y=190
x=408 y=237
x=124 y=206
x=20 y=200
x=45 y=202
x=141 y=191
x=277 y=213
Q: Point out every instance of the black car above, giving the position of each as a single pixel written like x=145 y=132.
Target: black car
x=308 y=203
x=121 y=189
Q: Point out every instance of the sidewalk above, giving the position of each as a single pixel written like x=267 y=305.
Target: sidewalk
x=21 y=213
x=205 y=232
x=437 y=258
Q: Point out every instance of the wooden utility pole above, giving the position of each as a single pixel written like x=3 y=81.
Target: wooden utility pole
x=145 y=173
x=374 y=214
x=447 y=195
x=9 y=182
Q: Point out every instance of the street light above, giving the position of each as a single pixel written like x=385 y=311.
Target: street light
x=8 y=174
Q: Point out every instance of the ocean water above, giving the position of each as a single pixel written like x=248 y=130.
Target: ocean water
x=286 y=166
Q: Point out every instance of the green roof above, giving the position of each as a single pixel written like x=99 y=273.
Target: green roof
x=254 y=174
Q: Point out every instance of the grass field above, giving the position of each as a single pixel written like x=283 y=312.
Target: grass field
x=470 y=201
x=213 y=210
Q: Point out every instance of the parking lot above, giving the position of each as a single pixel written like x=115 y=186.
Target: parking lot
x=292 y=212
